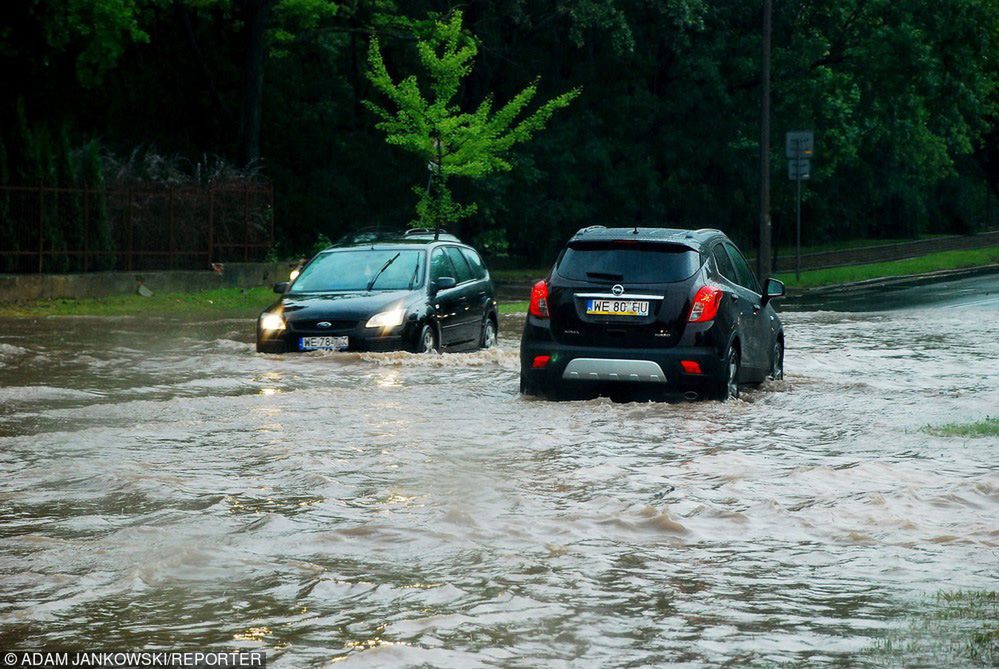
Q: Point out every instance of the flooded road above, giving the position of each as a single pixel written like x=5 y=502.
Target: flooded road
x=163 y=486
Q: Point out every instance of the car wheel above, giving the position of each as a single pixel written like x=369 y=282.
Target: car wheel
x=427 y=342
x=777 y=366
x=728 y=386
x=488 y=334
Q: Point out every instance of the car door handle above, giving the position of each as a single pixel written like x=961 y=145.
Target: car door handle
x=756 y=308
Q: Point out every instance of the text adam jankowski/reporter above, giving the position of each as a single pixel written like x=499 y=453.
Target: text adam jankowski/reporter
x=123 y=659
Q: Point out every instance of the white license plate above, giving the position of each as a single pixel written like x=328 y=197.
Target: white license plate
x=617 y=307
x=323 y=344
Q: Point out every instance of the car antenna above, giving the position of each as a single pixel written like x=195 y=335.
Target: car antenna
x=635 y=231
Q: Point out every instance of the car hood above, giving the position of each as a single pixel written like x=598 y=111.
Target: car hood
x=354 y=305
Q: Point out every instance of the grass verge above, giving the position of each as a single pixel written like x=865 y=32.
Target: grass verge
x=512 y=307
x=951 y=629
x=989 y=427
x=220 y=303
x=932 y=262
x=247 y=302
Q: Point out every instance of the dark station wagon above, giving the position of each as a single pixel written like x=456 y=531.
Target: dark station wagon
x=416 y=291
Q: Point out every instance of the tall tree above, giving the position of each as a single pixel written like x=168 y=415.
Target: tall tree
x=453 y=143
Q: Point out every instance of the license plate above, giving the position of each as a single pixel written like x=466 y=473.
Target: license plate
x=617 y=307
x=323 y=344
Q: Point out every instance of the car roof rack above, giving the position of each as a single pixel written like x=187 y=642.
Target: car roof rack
x=443 y=235
x=582 y=231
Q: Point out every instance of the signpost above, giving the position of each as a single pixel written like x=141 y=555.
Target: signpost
x=799 y=148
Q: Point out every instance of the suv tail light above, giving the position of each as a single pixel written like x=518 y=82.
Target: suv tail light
x=706 y=304
x=539 y=300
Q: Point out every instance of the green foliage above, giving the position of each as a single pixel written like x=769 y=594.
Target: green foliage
x=321 y=244
x=987 y=427
x=902 y=97
x=432 y=125
x=98 y=30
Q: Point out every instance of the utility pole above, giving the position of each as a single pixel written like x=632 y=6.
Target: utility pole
x=763 y=254
x=799 y=147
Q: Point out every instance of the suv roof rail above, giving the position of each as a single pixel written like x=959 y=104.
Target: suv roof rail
x=706 y=230
x=590 y=227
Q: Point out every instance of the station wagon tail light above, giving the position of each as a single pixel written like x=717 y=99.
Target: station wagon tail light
x=706 y=304
x=539 y=300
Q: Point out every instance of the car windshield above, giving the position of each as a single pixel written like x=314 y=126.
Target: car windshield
x=362 y=269
x=634 y=263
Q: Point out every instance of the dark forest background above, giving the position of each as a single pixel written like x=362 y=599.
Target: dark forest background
x=902 y=96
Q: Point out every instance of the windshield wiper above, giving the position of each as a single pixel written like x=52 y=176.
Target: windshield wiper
x=371 y=284
x=416 y=275
x=611 y=276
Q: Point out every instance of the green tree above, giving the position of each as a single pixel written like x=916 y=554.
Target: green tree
x=432 y=125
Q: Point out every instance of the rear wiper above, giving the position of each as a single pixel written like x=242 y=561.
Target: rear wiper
x=371 y=284
x=611 y=276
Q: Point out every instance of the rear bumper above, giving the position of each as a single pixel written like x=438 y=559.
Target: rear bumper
x=575 y=366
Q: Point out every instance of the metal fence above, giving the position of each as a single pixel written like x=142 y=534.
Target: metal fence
x=46 y=229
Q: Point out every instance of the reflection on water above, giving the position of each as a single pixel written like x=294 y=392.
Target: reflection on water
x=165 y=486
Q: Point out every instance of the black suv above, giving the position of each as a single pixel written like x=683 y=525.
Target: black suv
x=415 y=291
x=678 y=310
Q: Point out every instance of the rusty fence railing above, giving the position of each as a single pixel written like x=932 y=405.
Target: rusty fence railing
x=45 y=229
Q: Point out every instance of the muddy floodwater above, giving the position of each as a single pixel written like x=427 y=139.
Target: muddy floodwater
x=164 y=486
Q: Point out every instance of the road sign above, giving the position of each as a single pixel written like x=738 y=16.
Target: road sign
x=799 y=144
x=799 y=169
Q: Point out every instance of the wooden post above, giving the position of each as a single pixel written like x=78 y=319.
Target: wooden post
x=246 y=221
x=211 y=224
x=131 y=232
x=41 y=226
x=86 y=229
x=173 y=245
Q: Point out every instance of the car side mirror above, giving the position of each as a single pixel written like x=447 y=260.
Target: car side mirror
x=281 y=287
x=775 y=289
x=444 y=282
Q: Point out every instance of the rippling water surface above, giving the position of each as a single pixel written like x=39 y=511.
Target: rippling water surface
x=165 y=486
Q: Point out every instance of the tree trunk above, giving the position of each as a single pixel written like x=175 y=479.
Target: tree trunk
x=254 y=15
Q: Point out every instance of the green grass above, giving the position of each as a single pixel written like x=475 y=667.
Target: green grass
x=512 y=307
x=932 y=262
x=989 y=427
x=222 y=302
x=247 y=302
x=950 y=629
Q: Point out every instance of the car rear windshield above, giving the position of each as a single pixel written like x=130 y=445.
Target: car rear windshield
x=363 y=269
x=628 y=261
